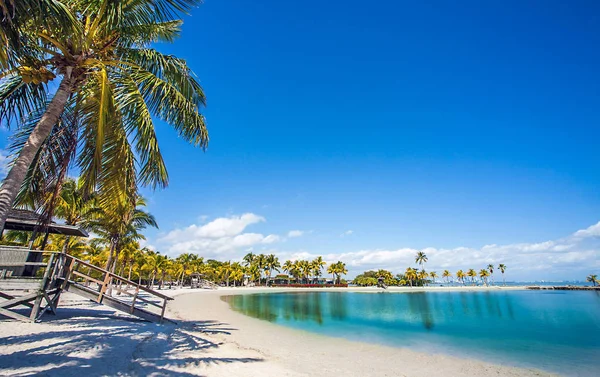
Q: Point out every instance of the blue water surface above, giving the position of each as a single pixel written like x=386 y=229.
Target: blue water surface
x=558 y=331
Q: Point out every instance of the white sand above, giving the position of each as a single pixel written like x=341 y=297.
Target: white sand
x=209 y=340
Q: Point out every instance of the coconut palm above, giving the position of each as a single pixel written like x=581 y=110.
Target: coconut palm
x=305 y=270
x=460 y=276
x=472 y=274
x=484 y=274
x=120 y=222
x=433 y=275
x=317 y=266
x=340 y=269
x=502 y=268
x=111 y=85
x=592 y=279
x=186 y=260
x=410 y=275
x=490 y=268
x=271 y=263
x=421 y=258
x=447 y=275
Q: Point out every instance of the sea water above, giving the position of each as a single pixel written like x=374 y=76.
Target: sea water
x=557 y=331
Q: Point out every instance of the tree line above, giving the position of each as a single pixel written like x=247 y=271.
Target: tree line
x=415 y=277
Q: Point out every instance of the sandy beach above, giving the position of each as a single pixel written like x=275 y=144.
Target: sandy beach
x=208 y=340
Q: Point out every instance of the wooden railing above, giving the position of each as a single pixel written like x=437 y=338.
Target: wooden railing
x=107 y=283
x=65 y=272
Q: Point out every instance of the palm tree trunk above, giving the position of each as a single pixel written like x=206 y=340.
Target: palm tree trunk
x=13 y=181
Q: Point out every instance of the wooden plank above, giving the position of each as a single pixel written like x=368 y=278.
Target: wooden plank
x=14 y=315
x=16 y=301
x=21 y=264
x=88 y=278
x=8 y=297
x=19 y=284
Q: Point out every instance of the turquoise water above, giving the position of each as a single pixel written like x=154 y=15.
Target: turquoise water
x=557 y=331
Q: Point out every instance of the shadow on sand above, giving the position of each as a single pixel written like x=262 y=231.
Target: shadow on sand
x=95 y=342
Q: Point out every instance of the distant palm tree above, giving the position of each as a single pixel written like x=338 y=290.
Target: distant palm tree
x=593 y=279
x=460 y=276
x=484 y=274
x=317 y=266
x=447 y=275
x=433 y=275
x=472 y=274
x=502 y=268
x=340 y=269
x=249 y=259
x=421 y=258
x=271 y=263
x=411 y=275
x=490 y=268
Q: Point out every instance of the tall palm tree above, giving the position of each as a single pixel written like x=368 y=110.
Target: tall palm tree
x=111 y=85
x=421 y=258
x=185 y=260
x=502 y=268
x=447 y=275
x=490 y=268
x=306 y=270
x=592 y=279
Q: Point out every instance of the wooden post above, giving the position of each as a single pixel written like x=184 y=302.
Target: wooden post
x=162 y=313
x=137 y=290
x=105 y=284
x=38 y=301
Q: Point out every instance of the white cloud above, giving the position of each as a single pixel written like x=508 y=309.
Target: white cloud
x=295 y=233
x=592 y=231
x=223 y=237
x=572 y=257
x=346 y=233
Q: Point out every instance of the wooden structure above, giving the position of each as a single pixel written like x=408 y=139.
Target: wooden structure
x=44 y=275
x=197 y=281
x=63 y=272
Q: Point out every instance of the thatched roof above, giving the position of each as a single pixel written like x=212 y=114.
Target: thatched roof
x=25 y=220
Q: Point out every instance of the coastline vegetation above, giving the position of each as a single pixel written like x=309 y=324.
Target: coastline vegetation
x=414 y=277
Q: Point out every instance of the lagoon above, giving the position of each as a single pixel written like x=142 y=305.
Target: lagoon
x=557 y=331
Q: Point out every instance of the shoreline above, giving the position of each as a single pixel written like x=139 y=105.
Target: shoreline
x=210 y=339
x=310 y=353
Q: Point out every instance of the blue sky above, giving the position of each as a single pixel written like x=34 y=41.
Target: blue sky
x=377 y=129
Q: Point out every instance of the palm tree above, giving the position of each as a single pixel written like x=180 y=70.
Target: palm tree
x=460 y=276
x=305 y=269
x=119 y=222
x=155 y=263
x=502 y=268
x=420 y=259
x=112 y=85
x=490 y=268
x=422 y=276
x=185 y=260
x=271 y=263
x=447 y=275
x=248 y=259
x=75 y=206
x=472 y=274
x=288 y=266
x=433 y=275
x=411 y=275
x=317 y=266
x=592 y=279
x=340 y=269
x=484 y=274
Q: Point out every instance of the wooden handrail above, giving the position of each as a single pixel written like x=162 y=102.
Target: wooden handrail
x=119 y=278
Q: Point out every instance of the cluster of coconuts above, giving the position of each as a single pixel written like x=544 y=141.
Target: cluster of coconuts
x=35 y=75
